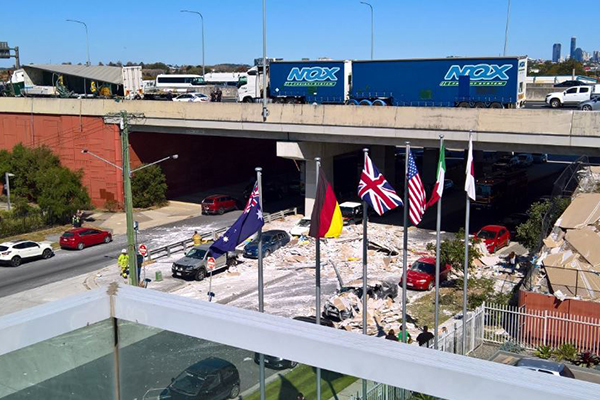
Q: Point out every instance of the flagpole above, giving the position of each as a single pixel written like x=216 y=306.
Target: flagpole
x=365 y=283
x=261 y=294
x=405 y=247
x=437 y=259
x=318 y=275
x=466 y=265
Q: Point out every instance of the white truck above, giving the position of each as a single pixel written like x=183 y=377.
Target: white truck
x=572 y=96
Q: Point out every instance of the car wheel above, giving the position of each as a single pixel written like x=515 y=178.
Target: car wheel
x=80 y=246
x=493 y=250
x=555 y=103
x=267 y=253
x=235 y=391
x=507 y=242
x=430 y=286
x=293 y=364
x=107 y=239
x=16 y=261
x=221 y=211
x=46 y=254
x=586 y=107
x=201 y=274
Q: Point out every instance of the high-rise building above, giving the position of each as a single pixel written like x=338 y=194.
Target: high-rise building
x=578 y=54
x=596 y=56
x=556 y=52
x=573 y=47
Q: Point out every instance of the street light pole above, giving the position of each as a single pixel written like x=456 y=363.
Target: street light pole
x=202 y=18
x=506 y=29
x=87 y=38
x=265 y=111
x=7 y=176
x=372 y=25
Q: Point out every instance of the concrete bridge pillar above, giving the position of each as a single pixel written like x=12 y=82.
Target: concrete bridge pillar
x=307 y=151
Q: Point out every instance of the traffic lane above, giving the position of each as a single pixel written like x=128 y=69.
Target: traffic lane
x=542 y=105
x=69 y=263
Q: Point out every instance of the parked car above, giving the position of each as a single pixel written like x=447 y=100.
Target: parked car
x=271 y=241
x=210 y=379
x=505 y=163
x=539 y=158
x=494 y=237
x=281 y=363
x=351 y=212
x=421 y=274
x=192 y=98
x=569 y=83
x=301 y=228
x=525 y=159
x=270 y=191
x=344 y=304
x=193 y=264
x=218 y=204
x=79 y=238
x=572 y=96
x=545 y=366
x=14 y=253
x=590 y=105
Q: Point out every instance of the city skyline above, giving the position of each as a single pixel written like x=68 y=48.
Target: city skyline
x=340 y=29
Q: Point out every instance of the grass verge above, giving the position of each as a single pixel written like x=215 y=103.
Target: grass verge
x=302 y=380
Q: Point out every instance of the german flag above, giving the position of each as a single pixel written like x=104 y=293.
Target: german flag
x=326 y=219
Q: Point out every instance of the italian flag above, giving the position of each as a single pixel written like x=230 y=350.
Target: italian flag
x=438 y=189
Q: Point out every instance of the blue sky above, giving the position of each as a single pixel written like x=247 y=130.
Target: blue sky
x=156 y=31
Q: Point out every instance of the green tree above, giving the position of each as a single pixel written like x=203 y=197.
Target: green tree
x=529 y=233
x=61 y=194
x=149 y=187
x=452 y=251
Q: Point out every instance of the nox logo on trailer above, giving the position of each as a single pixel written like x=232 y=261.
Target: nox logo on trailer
x=312 y=76
x=480 y=74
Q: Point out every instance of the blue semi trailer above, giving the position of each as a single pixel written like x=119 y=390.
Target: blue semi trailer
x=496 y=82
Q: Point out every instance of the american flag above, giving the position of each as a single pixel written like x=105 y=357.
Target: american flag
x=253 y=200
x=416 y=192
x=375 y=190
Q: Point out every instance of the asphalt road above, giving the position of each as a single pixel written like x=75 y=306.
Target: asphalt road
x=69 y=263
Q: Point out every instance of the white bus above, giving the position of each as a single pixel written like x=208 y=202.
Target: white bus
x=178 y=83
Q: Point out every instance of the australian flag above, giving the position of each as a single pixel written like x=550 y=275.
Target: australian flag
x=246 y=225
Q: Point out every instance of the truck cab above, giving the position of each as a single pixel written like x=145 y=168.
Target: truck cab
x=250 y=85
x=572 y=96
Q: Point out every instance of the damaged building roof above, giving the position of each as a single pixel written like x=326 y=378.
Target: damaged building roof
x=100 y=73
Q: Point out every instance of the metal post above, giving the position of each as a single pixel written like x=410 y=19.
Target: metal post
x=7 y=180
x=365 y=283
x=466 y=275
x=261 y=296
x=133 y=278
x=87 y=38
x=405 y=247
x=506 y=29
x=318 y=278
x=203 y=67
x=265 y=111
x=372 y=26
x=437 y=260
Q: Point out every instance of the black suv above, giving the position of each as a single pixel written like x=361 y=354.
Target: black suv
x=209 y=379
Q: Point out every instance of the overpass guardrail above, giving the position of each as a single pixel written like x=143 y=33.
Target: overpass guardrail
x=165 y=251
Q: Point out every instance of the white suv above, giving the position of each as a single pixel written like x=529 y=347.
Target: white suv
x=572 y=96
x=13 y=253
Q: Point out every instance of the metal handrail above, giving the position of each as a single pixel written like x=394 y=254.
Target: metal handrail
x=165 y=251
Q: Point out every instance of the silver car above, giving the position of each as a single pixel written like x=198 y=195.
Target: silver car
x=590 y=105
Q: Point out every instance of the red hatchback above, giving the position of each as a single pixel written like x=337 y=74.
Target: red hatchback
x=494 y=237
x=421 y=275
x=218 y=204
x=83 y=237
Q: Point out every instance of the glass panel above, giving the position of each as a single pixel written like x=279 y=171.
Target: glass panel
x=76 y=365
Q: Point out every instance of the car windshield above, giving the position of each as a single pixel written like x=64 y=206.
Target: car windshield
x=304 y=223
x=187 y=383
x=3 y=248
x=68 y=234
x=196 y=253
x=523 y=157
x=347 y=211
x=483 y=234
x=483 y=190
x=208 y=201
x=420 y=266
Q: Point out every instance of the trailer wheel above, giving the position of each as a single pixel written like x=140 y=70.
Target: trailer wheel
x=496 y=105
x=379 y=102
x=464 y=104
x=480 y=104
x=365 y=102
x=352 y=102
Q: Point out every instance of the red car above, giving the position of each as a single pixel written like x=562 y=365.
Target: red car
x=494 y=237
x=421 y=275
x=83 y=237
x=218 y=204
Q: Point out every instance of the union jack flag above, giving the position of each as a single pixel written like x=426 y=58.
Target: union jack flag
x=416 y=192
x=375 y=190
x=253 y=199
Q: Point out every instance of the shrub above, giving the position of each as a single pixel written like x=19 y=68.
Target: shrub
x=512 y=347
x=11 y=224
x=149 y=187
x=587 y=359
x=543 y=352
x=112 y=206
x=566 y=352
x=452 y=251
x=61 y=194
x=530 y=231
